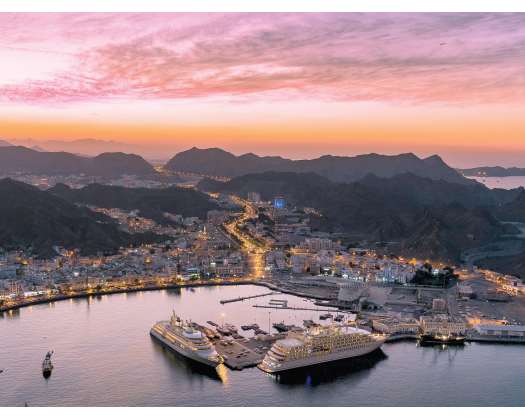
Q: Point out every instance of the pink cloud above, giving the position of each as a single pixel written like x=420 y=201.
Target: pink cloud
x=458 y=58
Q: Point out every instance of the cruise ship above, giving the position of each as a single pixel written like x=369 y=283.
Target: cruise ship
x=318 y=345
x=183 y=338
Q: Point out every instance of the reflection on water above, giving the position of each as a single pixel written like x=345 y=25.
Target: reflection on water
x=10 y=313
x=315 y=375
x=507 y=182
x=438 y=353
x=104 y=356
x=173 y=291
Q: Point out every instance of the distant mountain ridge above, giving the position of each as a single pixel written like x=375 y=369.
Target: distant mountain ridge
x=26 y=160
x=217 y=162
x=4 y=143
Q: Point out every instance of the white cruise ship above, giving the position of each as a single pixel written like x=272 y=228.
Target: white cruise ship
x=184 y=339
x=318 y=345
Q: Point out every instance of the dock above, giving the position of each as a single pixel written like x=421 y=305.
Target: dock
x=234 y=300
x=245 y=353
x=277 y=307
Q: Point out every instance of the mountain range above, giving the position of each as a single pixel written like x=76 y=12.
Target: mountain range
x=26 y=160
x=82 y=146
x=37 y=220
x=217 y=162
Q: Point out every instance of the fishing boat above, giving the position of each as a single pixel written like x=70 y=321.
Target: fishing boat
x=47 y=365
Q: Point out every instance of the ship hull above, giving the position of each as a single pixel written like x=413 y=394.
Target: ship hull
x=321 y=359
x=181 y=351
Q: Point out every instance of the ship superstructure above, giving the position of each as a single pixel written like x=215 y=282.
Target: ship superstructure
x=184 y=338
x=318 y=345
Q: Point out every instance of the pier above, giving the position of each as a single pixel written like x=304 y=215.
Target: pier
x=277 y=307
x=245 y=353
x=234 y=300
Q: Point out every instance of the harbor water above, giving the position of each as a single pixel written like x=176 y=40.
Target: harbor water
x=104 y=356
x=507 y=182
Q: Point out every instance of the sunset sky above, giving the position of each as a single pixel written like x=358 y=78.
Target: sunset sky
x=299 y=85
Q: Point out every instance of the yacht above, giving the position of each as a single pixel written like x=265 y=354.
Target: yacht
x=318 y=345
x=185 y=339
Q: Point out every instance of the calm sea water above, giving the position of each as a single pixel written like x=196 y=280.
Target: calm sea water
x=104 y=356
x=508 y=182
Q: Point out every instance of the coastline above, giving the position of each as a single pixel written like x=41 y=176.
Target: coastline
x=94 y=293
x=87 y=294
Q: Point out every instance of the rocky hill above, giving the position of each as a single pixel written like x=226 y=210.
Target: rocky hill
x=37 y=220
x=513 y=210
x=151 y=203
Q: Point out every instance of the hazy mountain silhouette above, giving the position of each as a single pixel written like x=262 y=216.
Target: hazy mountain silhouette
x=22 y=159
x=215 y=161
x=4 y=143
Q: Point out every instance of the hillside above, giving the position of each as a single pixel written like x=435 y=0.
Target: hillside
x=427 y=218
x=151 y=203
x=513 y=210
x=36 y=220
x=21 y=159
x=214 y=161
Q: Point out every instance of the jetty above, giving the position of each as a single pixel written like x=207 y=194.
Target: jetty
x=234 y=300
x=277 y=307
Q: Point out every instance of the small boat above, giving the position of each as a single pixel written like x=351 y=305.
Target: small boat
x=212 y=323
x=339 y=318
x=281 y=327
x=47 y=365
x=260 y=332
x=253 y=326
x=325 y=316
x=310 y=323
x=223 y=330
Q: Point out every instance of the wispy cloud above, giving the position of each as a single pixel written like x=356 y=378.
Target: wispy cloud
x=451 y=58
